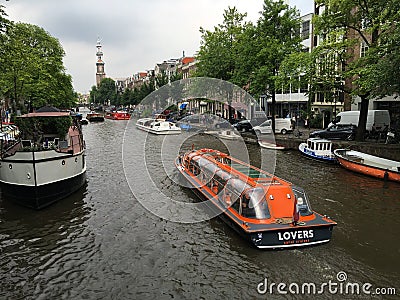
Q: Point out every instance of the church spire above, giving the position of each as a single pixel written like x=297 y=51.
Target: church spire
x=100 y=74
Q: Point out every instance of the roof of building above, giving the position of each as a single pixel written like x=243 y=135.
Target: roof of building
x=187 y=60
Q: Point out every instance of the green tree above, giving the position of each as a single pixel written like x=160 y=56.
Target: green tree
x=105 y=93
x=218 y=48
x=32 y=69
x=4 y=22
x=219 y=52
x=373 y=24
x=277 y=37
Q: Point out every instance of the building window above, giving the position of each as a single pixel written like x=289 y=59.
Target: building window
x=315 y=41
x=306 y=30
x=363 y=49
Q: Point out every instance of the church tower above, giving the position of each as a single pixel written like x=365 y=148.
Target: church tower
x=100 y=74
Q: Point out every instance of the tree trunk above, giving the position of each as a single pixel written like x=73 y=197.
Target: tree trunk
x=362 y=121
x=273 y=104
x=273 y=109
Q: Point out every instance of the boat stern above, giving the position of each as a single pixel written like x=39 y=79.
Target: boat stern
x=292 y=237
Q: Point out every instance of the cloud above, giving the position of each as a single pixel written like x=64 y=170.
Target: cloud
x=135 y=34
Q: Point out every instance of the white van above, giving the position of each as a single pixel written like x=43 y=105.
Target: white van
x=379 y=118
x=282 y=125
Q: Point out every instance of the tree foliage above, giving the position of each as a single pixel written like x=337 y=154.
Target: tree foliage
x=105 y=93
x=249 y=55
x=348 y=24
x=218 y=49
x=32 y=69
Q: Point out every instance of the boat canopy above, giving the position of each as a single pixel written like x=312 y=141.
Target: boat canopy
x=237 y=185
x=257 y=206
x=302 y=201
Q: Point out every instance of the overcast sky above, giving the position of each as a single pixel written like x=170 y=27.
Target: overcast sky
x=135 y=34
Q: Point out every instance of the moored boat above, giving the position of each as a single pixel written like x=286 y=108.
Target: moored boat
x=118 y=115
x=227 y=134
x=270 y=145
x=95 y=117
x=46 y=162
x=267 y=210
x=158 y=126
x=319 y=149
x=368 y=164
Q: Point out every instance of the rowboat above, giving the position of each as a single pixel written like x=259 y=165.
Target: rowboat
x=319 y=149
x=270 y=145
x=225 y=134
x=369 y=164
x=265 y=209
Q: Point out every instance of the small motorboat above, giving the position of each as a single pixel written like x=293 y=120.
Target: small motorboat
x=267 y=210
x=368 y=164
x=118 y=115
x=270 y=145
x=94 y=117
x=158 y=126
x=227 y=134
x=319 y=149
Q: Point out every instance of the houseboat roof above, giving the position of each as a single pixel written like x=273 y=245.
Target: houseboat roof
x=46 y=114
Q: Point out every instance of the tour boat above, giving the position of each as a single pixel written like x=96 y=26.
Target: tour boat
x=368 y=164
x=270 y=145
x=265 y=209
x=319 y=149
x=118 y=115
x=46 y=162
x=95 y=117
x=158 y=126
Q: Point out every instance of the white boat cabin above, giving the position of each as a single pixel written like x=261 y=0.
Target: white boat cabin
x=319 y=146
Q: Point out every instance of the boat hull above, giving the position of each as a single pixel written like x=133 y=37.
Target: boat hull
x=311 y=154
x=288 y=237
x=118 y=116
x=38 y=179
x=358 y=166
x=38 y=197
x=271 y=146
x=95 y=119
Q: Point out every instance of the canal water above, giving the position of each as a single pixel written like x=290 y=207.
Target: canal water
x=104 y=243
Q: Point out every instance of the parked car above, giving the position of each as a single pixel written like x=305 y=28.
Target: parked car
x=338 y=132
x=223 y=124
x=193 y=119
x=243 y=126
x=282 y=125
x=247 y=125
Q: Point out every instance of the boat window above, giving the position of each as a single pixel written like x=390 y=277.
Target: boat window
x=236 y=185
x=221 y=177
x=302 y=201
x=254 y=204
x=232 y=199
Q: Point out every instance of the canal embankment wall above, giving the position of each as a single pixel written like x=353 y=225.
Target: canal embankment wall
x=377 y=148
x=389 y=151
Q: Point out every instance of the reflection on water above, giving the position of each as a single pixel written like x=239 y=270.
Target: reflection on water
x=101 y=243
